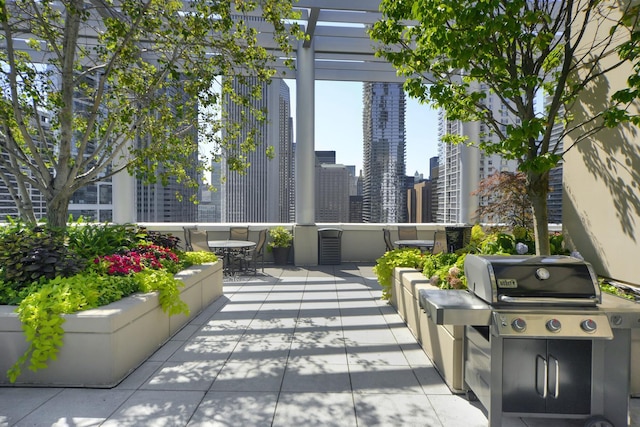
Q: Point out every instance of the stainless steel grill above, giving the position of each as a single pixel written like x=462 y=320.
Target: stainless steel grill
x=539 y=339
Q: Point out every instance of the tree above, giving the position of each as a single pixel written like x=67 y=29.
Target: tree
x=92 y=87
x=503 y=199
x=519 y=49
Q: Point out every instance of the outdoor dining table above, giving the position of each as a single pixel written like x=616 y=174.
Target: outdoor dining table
x=229 y=247
x=423 y=245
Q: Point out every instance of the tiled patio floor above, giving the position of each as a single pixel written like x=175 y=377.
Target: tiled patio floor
x=290 y=347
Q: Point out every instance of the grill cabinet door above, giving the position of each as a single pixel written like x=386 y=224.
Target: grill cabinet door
x=571 y=361
x=546 y=376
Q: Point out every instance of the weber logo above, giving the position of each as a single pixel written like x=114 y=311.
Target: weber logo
x=507 y=283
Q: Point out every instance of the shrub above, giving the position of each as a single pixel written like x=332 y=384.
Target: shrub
x=92 y=240
x=30 y=253
x=279 y=237
x=47 y=273
x=445 y=271
x=405 y=257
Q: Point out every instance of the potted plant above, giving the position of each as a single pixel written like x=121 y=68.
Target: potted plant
x=280 y=243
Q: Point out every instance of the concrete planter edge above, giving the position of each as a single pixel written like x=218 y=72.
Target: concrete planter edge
x=103 y=345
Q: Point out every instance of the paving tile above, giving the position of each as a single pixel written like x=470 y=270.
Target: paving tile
x=184 y=376
x=315 y=410
x=186 y=332
x=389 y=354
x=166 y=351
x=316 y=378
x=76 y=407
x=386 y=410
x=203 y=348
x=384 y=379
x=415 y=354
x=430 y=380
x=369 y=335
x=228 y=409
x=318 y=353
x=139 y=376
x=257 y=350
x=248 y=376
x=455 y=411
x=324 y=335
x=153 y=408
x=18 y=402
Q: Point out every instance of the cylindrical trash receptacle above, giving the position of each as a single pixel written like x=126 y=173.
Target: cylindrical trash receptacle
x=329 y=246
x=458 y=237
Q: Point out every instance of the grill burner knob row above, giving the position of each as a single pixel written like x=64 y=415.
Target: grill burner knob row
x=518 y=324
x=588 y=325
x=554 y=325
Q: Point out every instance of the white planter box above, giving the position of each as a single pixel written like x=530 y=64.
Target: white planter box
x=102 y=346
x=441 y=343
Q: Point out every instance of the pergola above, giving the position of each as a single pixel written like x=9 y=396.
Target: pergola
x=338 y=48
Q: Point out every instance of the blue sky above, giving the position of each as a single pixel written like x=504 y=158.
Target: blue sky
x=338 y=126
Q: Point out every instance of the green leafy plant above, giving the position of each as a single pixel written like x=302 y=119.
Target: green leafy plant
x=279 y=237
x=405 y=257
x=445 y=270
x=29 y=253
x=92 y=240
x=187 y=259
x=125 y=260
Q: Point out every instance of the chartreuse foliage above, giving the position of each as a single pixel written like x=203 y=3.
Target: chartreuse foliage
x=405 y=257
x=125 y=260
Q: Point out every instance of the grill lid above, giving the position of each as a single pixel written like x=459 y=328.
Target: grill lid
x=532 y=280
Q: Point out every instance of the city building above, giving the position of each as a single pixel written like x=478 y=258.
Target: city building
x=384 y=191
x=463 y=166
x=333 y=186
x=264 y=192
x=554 y=197
x=422 y=198
x=332 y=193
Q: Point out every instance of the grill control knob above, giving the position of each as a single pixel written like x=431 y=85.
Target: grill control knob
x=554 y=325
x=588 y=325
x=518 y=324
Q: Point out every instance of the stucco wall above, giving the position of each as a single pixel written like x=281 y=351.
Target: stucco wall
x=601 y=204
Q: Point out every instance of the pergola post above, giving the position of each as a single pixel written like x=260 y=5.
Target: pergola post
x=306 y=236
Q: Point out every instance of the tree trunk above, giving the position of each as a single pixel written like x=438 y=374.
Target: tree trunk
x=538 y=186
x=58 y=211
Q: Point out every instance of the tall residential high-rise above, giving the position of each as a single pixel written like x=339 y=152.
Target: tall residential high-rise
x=8 y=207
x=264 y=192
x=462 y=167
x=554 y=197
x=170 y=201
x=384 y=191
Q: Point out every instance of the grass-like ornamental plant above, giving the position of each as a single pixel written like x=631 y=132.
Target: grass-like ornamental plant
x=126 y=260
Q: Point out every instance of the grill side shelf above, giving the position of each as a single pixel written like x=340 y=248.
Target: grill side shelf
x=454 y=307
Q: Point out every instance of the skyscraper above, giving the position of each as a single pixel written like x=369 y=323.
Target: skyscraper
x=384 y=193
x=263 y=193
x=462 y=167
x=332 y=188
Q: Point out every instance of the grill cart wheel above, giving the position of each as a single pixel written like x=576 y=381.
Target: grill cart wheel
x=598 y=421
x=471 y=396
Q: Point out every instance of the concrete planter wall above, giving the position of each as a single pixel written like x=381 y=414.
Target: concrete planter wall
x=441 y=343
x=103 y=345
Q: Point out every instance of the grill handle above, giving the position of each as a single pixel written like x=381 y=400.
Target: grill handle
x=578 y=302
x=545 y=373
x=556 y=392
